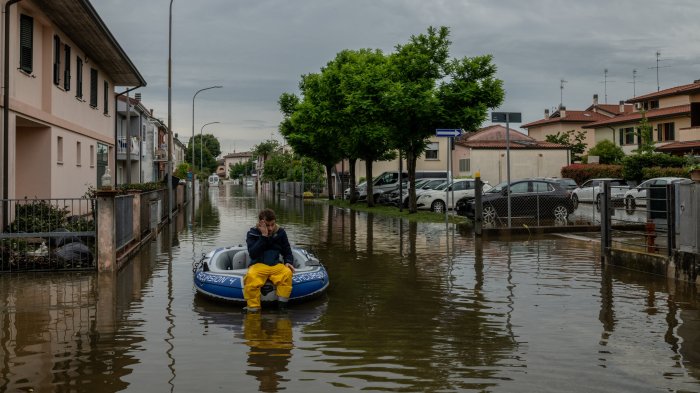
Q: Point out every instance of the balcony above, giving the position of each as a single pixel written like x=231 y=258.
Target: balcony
x=122 y=147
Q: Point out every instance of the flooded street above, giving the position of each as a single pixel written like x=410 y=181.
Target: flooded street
x=411 y=307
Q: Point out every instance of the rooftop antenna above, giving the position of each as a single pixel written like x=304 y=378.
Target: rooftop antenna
x=658 y=60
x=634 y=82
x=605 y=84
x=561 y=92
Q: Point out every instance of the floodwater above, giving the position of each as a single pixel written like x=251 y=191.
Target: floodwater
x=411 y=308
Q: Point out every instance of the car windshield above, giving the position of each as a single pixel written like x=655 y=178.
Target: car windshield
x=498 y=187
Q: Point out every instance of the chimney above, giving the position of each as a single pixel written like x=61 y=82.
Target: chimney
x=137 y=96
x=546 y=114
x=622 y=107
x=595 y=99
x=151 y=112
x=562 y=111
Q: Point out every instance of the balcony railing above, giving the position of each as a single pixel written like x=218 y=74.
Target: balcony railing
x=122 y=146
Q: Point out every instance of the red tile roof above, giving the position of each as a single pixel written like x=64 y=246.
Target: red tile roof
x=513 y=145
x=493 y=133
x=494 y=137
x=684 y=89
x=687 y=145
x=652 y=114
x=569 y=117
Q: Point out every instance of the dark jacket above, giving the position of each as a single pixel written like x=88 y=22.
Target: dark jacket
x=267 y=249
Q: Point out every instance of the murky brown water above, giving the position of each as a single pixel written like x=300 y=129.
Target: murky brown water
x=411 y=307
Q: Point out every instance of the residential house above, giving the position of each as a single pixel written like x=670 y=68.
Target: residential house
x=236 y=158
x=563 y=120
x=139 y=145
x=486 y=151
x=483 y=151
x=674 y=115
x=179 y=150
x=63 y=67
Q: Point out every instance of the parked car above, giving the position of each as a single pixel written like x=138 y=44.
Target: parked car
x=434 y=200
x=392 y=197
x=529 y=198
x=360 y=190
x=421 y=187
x=567 y=183
x=590 y=190
x=637 y=196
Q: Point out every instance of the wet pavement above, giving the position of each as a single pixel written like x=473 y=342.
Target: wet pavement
x=411 y=307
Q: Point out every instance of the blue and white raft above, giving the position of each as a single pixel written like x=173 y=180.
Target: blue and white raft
x=219 y=274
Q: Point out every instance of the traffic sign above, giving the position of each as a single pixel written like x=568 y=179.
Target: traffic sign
x=452 y=132
x=506 y=117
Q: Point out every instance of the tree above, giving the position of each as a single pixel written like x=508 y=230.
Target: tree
x=210 y=149
x=414 y=105
x=241 y=169
x=644 y=133
x=572 y=140
x=608 y=152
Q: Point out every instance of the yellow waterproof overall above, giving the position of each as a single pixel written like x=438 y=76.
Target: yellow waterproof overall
x=258 y=274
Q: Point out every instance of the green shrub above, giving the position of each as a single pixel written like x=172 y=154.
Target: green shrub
x=582 y=172
x=634 y=165
x=607 y=151
x=657 y=171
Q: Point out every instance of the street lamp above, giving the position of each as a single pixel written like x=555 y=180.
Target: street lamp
x=201 y=160
x=193 y=97
x=170 y=100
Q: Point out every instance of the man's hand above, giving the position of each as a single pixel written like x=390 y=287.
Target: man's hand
x=290 y=266
x=262 y=227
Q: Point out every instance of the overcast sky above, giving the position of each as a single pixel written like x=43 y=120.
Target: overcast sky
x=258 y=49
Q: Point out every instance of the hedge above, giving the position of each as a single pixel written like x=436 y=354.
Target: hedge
x=582 y=172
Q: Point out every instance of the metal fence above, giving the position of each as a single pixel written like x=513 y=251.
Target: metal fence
x=48 y=234
x=297 y=189
x=124 y=212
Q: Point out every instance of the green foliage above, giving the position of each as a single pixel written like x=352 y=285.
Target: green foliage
x=634 y=164
x=38 y=216
x=572 y=140
x=210 y=149
x=182 y=170
x=582 y=172
x=608 y=152
x=313 y=172
x=644 y=133
x=241 y=169
x=143 y=187
x=657 y=171
x=276 y=166
x=264 y=149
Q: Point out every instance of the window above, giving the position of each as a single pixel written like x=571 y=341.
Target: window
x=431 y=151
x=539 y=186
x=106 y=98
x=459 y=186
x=695 y=114
x=665 y=132
x=92 y=156
x=56 y=60
x=93 y=87
x=79 y=77
x=26 y=43
x=78 y=154
x=626 y=136
x=59 y=150
x=464 y=165
x=519 y=188
x=654 y=104
x=66 y=69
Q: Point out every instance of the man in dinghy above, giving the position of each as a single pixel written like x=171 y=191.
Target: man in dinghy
x=266 y=243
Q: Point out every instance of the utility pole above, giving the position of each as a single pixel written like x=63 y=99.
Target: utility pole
x=634 y=82
x=658 y=60
x=605 y=84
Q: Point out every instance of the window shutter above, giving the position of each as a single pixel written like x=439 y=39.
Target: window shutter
x=622 y=136
x=26 y=43
x=93 y=87
x=56 y=60
x=106 y=97
x=79 y=75
x=66 y=69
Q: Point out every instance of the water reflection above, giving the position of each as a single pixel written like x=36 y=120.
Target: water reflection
x=411 y=307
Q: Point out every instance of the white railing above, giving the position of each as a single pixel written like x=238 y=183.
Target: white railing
x=122 y=145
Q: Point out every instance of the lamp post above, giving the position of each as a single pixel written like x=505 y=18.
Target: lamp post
x=193 y=97
x=201 y=130
x=170 y=99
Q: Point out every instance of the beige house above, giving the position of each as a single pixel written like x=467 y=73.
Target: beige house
x=674 y=115
x=485 y=151
x=60 y=104
x=563 y=120
x=236 y=158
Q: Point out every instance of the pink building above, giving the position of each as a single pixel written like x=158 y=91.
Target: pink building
x=64 y=65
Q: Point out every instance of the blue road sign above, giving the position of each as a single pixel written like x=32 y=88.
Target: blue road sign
x=448 y=132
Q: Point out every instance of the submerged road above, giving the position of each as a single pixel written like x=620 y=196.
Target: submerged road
x=411 y=307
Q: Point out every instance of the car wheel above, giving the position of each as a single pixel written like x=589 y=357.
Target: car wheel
x=489 y=215
x=574 y=200
x=630 y=203
x=438 y=206
x=560 y=213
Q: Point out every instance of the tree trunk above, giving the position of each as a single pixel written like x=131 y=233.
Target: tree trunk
x=370 y=189
x=411 y=164
x=353 y=186
x=329 y=182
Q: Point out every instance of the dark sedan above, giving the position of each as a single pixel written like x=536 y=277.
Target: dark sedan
x=529 y=198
